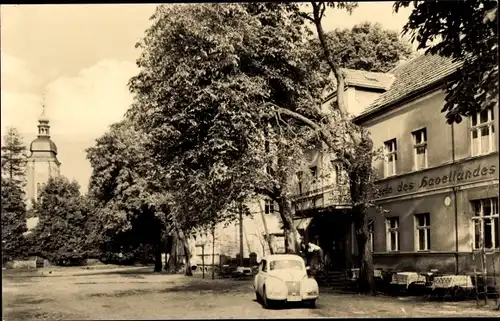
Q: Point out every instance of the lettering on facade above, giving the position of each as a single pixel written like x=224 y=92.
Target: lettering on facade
x=432 y=181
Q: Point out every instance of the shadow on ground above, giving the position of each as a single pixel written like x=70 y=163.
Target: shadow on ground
x=212 y=286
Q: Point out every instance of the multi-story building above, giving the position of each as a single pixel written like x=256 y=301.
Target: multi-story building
x=321 y=195
x=438 y=182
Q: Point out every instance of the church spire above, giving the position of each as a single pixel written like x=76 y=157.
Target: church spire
x=43 y=122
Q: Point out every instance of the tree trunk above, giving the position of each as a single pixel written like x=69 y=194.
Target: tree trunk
x=365 y=259
x=158 y=263
x=185 y=244
x=360 y=188
x=172 y=259
x=292 y=235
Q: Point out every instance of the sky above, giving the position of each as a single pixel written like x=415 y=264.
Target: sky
x=80 y=57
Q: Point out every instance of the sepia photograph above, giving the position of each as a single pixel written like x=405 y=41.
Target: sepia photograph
x=250 y=160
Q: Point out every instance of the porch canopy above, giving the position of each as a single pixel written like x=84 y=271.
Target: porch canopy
x=302 y=223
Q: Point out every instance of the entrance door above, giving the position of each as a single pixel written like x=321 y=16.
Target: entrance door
x=338 y=253
x=334 y=246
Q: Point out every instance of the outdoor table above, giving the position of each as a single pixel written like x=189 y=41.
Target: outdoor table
x=450 y=281
x=407 y=278
x=454 y=285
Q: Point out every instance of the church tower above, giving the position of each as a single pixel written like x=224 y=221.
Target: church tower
x=42 y=163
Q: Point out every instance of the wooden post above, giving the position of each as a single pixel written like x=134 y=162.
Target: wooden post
x=268 y=238
x=213 y=252
x=203 y=260
x=241 y=233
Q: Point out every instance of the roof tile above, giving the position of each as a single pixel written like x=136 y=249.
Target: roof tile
x=413 y=75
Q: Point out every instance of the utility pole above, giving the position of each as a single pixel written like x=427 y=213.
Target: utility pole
x=241 y=233
x=264 y=222
x=213 y=252
x=203 y=259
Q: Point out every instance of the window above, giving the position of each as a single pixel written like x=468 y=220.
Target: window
x=390 y=153
x=268 y=207
x=314 y=172
x=420 y=149
x=482 y=132
x=299 y=178
x=485 y=223
x=338 y=172
x=423 y=232
x=370 y=233
x=392 y=225
x=264 y=266
x=285 y=265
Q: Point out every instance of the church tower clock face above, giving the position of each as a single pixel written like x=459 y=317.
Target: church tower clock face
x=42 y=162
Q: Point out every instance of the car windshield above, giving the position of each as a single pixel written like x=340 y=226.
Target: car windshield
x=286 y=264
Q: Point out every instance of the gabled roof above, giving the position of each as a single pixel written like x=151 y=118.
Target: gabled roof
x=414 y=75
x=367 y=79
x=362 y=79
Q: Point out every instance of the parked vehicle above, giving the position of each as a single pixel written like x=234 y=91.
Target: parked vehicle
x=242 y=272
x=283 y=278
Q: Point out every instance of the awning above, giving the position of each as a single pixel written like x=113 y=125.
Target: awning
x=302 y=223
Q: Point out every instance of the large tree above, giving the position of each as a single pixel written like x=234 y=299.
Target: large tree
x=212 y=80
x=60 y=235
x=13 y=221
x=14 y=157
x=465 y=31
x=131 y=202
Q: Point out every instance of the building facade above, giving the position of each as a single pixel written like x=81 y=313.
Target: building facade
x=321 y=195
x=438 y=182
x=263 y=214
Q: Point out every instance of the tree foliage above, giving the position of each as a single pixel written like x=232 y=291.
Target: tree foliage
x=366 y=46
x=14 y=157
x=127 y=189
x=61 y=233
x=13 y=221
x=465 y=31
x=212 y=79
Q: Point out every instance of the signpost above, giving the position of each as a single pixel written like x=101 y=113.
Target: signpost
x=202 y=245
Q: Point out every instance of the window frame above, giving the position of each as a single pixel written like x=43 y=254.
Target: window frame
x=392 y=151
x=338 y=169
x=426 y=229
x=389 y=231
x=422 y=132
x=300 y=177
x=477 y=128
x=268 y=206
x=494 y=221
x=313 y=170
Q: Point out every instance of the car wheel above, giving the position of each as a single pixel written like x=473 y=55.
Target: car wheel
x=257 y=297
x=311 y=304
x=267 y=303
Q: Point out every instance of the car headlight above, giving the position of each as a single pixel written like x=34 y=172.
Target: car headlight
x=276 y=287
x=309 y=286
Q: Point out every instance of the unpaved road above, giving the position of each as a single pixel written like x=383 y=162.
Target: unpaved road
x=136 y=293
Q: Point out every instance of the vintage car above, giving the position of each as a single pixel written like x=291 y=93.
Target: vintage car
x=242 y=272
x=283 y=278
